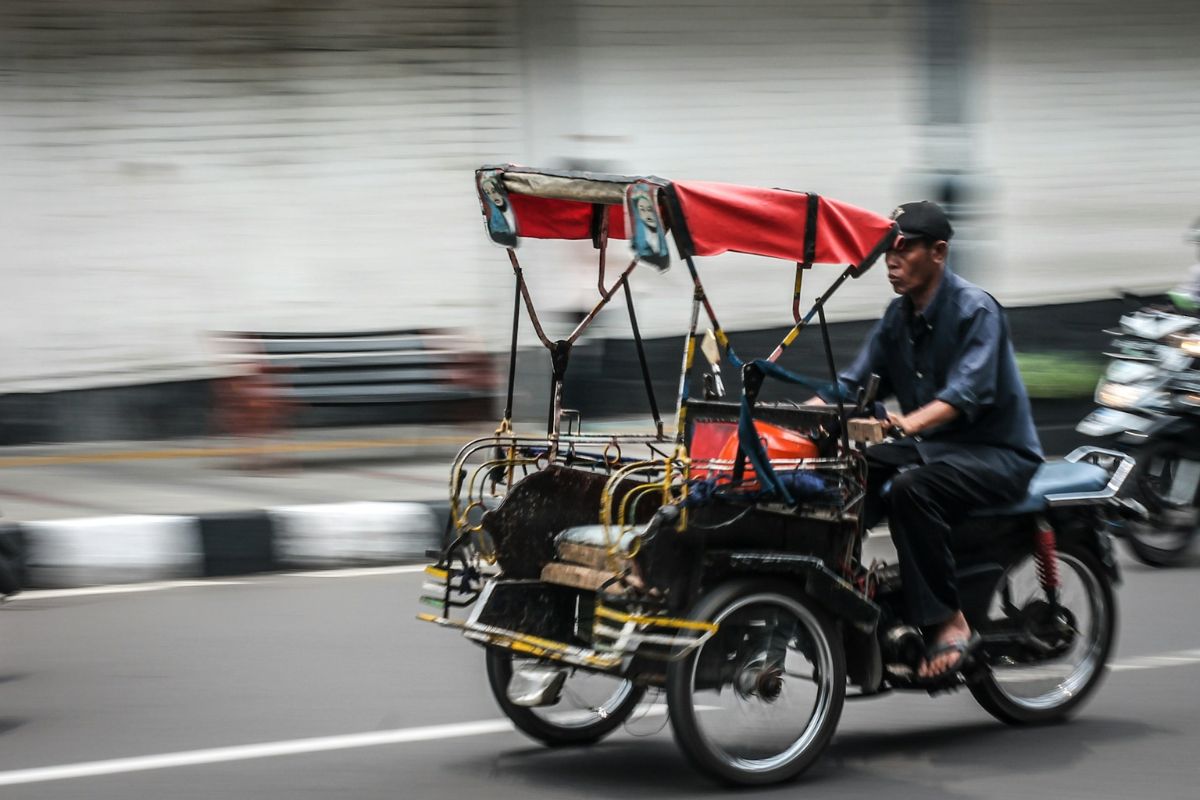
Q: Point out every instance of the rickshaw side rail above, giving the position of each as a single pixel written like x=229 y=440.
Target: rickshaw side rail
x=541 y=648
x=469 y=483
x=617 y=628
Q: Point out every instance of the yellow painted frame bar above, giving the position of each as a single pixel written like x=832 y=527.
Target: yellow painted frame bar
x=543 y=648
x=665 y=622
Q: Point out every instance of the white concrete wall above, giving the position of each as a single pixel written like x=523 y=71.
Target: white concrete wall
x=173 y=167
x=169 y=168
x=1090 y=129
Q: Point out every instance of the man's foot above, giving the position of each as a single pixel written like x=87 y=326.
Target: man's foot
x=949 y=649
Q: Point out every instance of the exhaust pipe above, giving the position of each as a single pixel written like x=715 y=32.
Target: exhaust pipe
x=536 y=685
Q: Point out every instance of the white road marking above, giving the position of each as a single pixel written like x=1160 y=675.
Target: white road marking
x=157 y=586
x=217 y=755
x=131 y=588
x=189 y=758
x=1177 y=659
x=357 y=572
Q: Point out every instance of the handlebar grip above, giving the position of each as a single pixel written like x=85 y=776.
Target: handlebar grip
x=866 y=394
x=872 y=389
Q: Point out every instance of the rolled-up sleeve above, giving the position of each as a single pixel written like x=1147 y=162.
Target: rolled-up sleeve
x=971 y=380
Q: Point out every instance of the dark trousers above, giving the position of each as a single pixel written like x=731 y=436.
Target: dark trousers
x=922 y=505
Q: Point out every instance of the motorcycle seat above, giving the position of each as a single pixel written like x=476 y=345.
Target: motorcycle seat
x=1052 y=478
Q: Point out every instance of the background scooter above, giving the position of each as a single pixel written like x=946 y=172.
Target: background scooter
x=1150 y=405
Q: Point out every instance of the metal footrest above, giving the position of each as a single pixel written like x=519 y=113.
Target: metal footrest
x=447 y=588
x=648 y=634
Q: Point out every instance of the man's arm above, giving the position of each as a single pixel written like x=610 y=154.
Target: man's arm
x=930 y=415
x=971 y=380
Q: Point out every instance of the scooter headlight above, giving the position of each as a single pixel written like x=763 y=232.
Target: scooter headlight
x=1191 y=346
x=1188 y=343
x=1118 y=395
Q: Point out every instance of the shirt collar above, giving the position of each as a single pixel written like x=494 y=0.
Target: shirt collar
x=937 y=302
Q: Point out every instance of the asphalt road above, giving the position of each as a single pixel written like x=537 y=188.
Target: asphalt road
x=303 y=686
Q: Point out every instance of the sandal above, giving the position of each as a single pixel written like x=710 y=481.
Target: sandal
x=964 y=647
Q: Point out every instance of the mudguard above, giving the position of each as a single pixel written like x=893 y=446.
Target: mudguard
x=834 y=593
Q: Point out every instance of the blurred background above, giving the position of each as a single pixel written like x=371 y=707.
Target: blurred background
x=258 y=218
x=178 y=174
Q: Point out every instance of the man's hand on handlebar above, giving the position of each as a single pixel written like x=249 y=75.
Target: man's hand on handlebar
x=869 y=430
x=900 y=425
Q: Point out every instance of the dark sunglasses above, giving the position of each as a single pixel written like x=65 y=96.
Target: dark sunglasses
x=902 y=243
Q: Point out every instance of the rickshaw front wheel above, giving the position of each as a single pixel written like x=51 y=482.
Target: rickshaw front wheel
x=590 y=706
x=759 y=701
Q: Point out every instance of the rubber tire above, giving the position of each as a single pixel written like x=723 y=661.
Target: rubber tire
x=679 y=690
x=499 y=670
x=987 y=693
x=1158 y=556
x=1147 y=553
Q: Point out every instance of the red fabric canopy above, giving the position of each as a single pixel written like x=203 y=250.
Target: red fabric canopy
x=723 y=217
x=713 y=218
x=549 y=218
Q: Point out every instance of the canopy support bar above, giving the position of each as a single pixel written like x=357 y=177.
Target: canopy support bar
x=512 y=351
x=834 y=377
x=689 y=356
x=533 y=317
x=605 y=296
x=818 y=308
x=800 y=268
x=641 y=351
x=560 y=350
x=560 y=354
x=601 y=242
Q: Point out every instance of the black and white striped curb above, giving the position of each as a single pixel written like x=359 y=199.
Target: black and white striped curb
x=144 y=547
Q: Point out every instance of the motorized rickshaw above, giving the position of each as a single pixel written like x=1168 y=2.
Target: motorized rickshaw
x=720 y=560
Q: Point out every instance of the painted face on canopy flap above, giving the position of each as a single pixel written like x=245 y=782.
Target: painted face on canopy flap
x=645 y=210
x=492 y=190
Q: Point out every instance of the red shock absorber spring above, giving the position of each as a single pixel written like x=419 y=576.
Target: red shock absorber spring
x=1045 y=551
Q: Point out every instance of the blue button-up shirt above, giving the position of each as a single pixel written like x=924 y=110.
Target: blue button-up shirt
x=956 y=350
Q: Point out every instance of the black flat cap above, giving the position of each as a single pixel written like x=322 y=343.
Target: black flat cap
x=923 y=218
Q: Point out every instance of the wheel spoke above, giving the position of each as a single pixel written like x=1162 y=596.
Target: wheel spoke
x=589 y=705
x=1051 y=683
x=768 y=686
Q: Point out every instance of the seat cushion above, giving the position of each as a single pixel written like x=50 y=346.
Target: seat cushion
x=593 y=536
x=1052 y=478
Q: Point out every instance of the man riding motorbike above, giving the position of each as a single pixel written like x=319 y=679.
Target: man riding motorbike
x=942 y=350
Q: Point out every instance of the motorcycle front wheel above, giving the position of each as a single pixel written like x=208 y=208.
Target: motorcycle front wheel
x=1047 y=690
x=759 y=701
x=590 y=705
x=1166 y=482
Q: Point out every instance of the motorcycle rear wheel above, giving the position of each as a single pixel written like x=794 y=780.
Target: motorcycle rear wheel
x=758 y=702
x=1048 y=691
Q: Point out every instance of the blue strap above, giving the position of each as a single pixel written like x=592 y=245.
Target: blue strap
x=748 y=439
x=752 y=446
x=770 y=368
